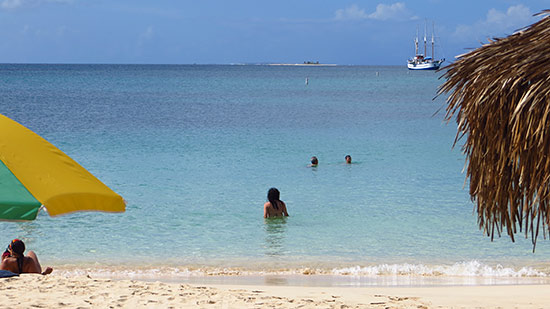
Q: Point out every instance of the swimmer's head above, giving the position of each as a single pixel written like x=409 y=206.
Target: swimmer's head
x=348 y=159
x=314 y=160
x=273 y=195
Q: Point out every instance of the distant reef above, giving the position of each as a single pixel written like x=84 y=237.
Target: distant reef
x=306 y=63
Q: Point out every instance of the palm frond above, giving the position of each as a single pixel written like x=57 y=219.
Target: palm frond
x=500 y=96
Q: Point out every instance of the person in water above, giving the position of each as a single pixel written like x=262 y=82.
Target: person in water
x=14 y=260
x=348 y=159
x=274 y=207
x=314 y=161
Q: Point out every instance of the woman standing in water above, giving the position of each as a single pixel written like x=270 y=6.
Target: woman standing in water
x=274 y=207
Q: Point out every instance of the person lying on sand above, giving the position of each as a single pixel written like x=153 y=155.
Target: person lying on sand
x=15 y=261
x=274 y=207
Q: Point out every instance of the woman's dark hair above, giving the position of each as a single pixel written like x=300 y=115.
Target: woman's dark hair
x=314 y=160
x=273 y=197
x=17 y=246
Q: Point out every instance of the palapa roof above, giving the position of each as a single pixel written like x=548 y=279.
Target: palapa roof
x=500 y=95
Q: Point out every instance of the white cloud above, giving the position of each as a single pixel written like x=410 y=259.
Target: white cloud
x=11 y=4
x=26 y=29
x=350 y=13
x=146 y=35
x=16 y=4
x=50 y=32
x=397 y=11
x=496 y=23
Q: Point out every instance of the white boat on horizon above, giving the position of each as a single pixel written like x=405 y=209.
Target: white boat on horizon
x=422 y=61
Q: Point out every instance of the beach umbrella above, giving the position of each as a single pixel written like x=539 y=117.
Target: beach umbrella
x=500 y=95
x=34 y=173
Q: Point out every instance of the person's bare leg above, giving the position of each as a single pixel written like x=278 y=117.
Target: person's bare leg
x=33 y=256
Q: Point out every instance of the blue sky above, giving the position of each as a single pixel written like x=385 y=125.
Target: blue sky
x=248 y=31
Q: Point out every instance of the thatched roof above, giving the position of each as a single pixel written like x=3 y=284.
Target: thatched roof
x=500 y=95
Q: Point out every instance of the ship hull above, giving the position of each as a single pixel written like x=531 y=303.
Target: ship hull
x=424 y=65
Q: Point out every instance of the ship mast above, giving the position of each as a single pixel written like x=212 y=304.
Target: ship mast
x=416 y=43
x=425 y=51
x=433 y=42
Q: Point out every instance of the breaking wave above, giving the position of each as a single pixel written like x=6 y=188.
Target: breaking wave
x=462 y=273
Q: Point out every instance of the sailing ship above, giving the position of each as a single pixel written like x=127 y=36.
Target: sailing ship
x=422 y=61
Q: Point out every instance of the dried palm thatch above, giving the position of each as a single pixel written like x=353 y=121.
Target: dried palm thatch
x=500 y=94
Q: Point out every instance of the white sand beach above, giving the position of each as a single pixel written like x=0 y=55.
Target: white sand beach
x=56 y=291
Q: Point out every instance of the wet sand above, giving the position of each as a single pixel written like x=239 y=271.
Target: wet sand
x=55 y=291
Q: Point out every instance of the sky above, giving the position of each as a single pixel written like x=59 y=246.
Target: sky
x=250 y=31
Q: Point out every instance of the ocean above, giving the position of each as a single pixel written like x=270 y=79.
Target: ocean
x=193 y=149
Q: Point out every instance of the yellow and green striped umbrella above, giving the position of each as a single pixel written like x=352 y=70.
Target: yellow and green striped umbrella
x=35 y=173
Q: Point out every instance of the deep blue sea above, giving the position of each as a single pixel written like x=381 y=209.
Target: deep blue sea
x=193 y=150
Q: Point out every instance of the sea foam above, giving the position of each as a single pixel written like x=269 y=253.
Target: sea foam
x=464 y=269
x=458 y=273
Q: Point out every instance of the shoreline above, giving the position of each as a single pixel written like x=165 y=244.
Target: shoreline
x=311 y=279
x=319 y=281
x=405 y=274
x=86 y=291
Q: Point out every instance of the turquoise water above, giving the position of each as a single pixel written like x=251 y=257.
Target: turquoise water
x=193 y=150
